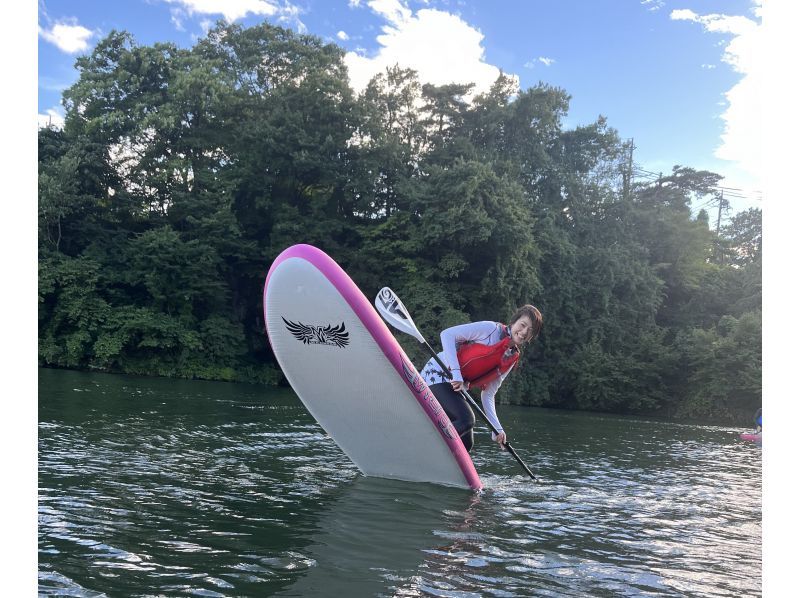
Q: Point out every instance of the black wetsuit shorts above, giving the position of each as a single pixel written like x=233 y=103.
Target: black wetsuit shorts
x=457 y=409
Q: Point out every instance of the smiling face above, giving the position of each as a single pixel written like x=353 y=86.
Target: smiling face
x=521 y=331
x=525 y=325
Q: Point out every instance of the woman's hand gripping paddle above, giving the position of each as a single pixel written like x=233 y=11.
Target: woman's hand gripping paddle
x=395 y=313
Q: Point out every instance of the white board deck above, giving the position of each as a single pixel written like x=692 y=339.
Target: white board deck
x=354 y=378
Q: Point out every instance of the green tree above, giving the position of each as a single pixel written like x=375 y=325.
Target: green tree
x=724 y=365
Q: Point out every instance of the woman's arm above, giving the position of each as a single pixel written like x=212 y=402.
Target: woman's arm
x=487 y=399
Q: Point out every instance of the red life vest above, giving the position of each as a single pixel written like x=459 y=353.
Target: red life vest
x=482 y=364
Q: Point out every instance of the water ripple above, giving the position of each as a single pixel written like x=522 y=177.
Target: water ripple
x=162 y=488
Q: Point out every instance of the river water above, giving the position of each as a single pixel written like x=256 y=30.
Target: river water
x=156 y=487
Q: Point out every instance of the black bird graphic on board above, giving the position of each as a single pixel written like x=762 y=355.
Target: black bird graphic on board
x=318 y=335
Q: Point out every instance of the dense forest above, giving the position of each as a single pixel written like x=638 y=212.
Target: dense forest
x=180 y=174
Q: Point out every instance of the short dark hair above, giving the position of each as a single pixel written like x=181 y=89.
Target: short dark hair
x=534 y=314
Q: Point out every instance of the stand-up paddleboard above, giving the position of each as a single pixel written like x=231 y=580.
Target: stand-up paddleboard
x=353 y=376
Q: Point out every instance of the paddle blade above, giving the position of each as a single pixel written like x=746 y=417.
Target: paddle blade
x=395 y=313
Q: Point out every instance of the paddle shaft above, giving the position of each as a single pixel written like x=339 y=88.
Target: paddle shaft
x=477 y=408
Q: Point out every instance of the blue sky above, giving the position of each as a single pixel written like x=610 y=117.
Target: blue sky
x=677 y=76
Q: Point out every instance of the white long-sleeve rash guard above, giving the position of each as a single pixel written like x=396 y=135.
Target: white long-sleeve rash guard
x=486 y=333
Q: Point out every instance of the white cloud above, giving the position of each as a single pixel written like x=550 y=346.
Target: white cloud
x=393 y=11
x=286 y=14
x=176 y=16
x=289 y=15
x=742 y=140
x=440 y=46
x=653 y=5
x=54 y=117
x=68 y=36
x=231 y=10
x=343 y=36
x=543 y=60
x=52 y=84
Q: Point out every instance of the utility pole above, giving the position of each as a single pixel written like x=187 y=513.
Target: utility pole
x=722 y=203
x=627 y=173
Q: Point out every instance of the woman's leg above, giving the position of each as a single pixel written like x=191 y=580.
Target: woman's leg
x=457 y=409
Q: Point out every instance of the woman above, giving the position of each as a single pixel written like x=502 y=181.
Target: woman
x=479 y=355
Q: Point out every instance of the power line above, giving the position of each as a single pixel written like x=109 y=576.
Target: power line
x=733 y=192
x=639 y=170
x=757 y=191
x=709 y=202
x=721 y=193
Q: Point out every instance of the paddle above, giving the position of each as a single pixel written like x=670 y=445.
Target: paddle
x=395 y=313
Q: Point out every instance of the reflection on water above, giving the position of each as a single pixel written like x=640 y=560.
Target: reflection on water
x=163 y=487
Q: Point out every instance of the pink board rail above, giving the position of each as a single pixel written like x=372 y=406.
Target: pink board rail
x=391 y=349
